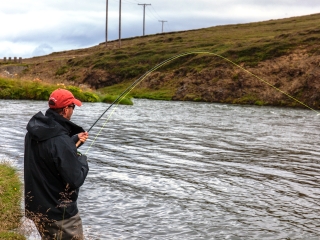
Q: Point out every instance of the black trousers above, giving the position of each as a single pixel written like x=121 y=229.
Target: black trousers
x=66 y=229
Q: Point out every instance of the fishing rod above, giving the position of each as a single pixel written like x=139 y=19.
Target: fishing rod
x=136 y=82
x=117 y=99
x=127 y=91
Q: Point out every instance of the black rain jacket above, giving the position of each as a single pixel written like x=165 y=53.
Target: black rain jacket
x=53 y=170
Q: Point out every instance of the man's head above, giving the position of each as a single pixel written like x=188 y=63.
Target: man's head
x=63 y=102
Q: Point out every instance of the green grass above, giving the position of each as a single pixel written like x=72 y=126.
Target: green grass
x=11 y=236
x=111 y=69
x=10 y=197
x=62 y=70
x=115 y=89
x=137 y=92
x=250 y=43
x=121 y=100
x=37 y=90
x=241 y=43
x=162 y=94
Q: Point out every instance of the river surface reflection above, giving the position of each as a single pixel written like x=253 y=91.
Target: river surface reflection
x=181 y=170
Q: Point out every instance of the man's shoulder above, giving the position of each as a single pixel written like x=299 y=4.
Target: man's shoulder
x=62 y=140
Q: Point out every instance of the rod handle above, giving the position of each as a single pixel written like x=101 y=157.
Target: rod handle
x=78 y=143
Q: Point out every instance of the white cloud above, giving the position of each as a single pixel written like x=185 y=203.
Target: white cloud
x=42 y=49
x=11 y=49
x=70 y=24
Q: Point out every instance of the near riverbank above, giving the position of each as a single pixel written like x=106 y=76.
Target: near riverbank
x=10 y=203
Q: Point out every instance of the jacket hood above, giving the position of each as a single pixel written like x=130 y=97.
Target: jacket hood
x=43 y=127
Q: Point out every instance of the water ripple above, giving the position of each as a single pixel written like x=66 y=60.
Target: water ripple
x=179 y=170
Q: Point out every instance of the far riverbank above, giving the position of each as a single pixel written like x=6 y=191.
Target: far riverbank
x=39 y=90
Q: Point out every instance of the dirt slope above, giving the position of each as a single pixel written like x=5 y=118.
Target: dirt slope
x=279 y=65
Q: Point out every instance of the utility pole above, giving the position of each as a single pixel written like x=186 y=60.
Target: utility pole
x=120 y=24
x=144 y=15
x=107 y=23
x=162 y=23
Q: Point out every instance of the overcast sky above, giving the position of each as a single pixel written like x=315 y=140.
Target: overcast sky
x=37 y=27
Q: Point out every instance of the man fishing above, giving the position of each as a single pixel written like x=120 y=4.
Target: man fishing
x=54 y=170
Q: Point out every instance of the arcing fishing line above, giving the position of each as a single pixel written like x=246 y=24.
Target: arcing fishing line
x=135 y=83
x=126 y=92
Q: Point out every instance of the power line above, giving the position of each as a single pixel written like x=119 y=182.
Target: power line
x=107 y=22
x=144 y=15
x=155 y=13
x=162 y=24
x=119 y=23
x=156 y=16
x=151 y=15
x=169 y=29
x=131 y=2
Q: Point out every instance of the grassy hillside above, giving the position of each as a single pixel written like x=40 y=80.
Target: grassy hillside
x=283 y=52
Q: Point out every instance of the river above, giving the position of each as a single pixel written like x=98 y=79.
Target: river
x=184 y=170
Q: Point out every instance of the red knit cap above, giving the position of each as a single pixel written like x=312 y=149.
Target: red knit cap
x=61 y=98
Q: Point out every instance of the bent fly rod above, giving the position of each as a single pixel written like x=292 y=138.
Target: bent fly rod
x=136 y=82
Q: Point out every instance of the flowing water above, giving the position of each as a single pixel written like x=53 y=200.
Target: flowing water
x=181 y=170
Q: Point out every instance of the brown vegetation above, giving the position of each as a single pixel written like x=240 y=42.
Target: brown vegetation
x=284 y=53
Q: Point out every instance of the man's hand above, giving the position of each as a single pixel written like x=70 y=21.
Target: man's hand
x=83 y=136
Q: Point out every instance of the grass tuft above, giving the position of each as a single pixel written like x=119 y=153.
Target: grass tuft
x=10 y=198
x=112 y=98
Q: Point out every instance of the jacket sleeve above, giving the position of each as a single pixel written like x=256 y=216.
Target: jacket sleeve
x=75 y=138
x=72 y=168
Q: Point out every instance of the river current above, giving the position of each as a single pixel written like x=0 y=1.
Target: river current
x=184 y=170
